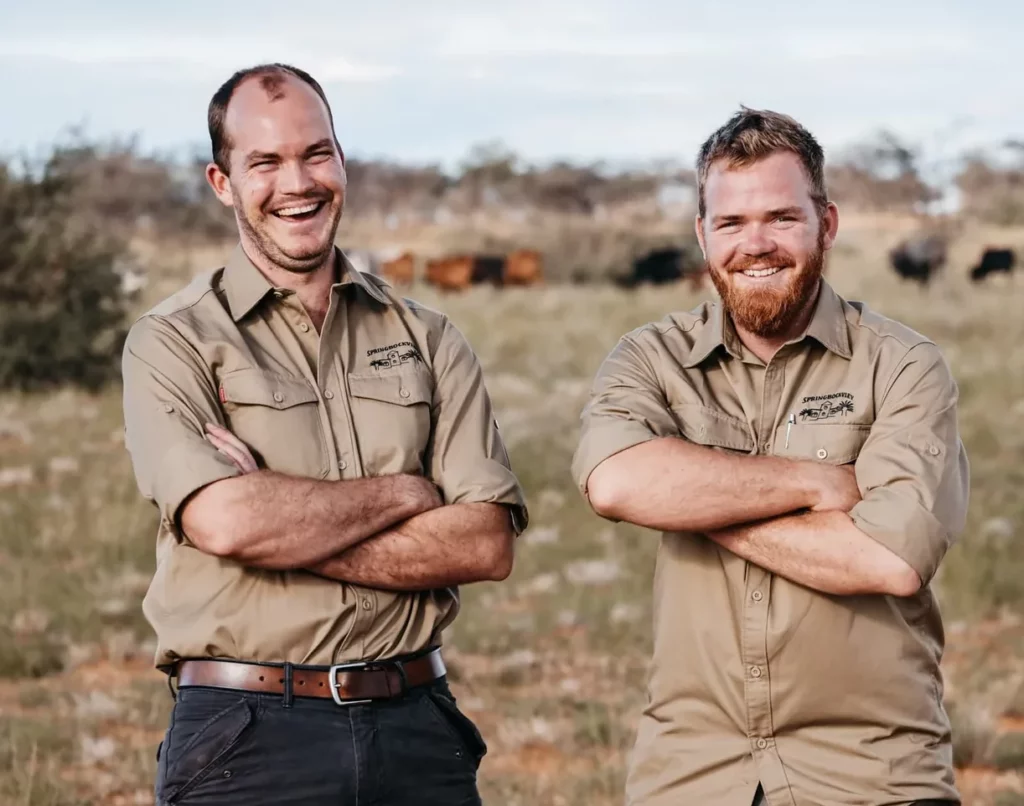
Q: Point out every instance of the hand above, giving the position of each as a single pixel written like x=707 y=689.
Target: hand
x=232 y=447
x=835 y=487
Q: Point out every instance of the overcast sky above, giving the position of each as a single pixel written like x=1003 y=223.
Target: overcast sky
x=423 y=81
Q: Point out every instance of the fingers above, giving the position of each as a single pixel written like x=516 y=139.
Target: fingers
x=230 y=446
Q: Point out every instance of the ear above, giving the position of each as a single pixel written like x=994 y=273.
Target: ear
x=221 y=184
x=698 y=227
x=831 y=225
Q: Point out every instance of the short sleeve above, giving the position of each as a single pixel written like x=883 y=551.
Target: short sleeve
x=169 y=395
x=627 y=406
x=913 y=469
x=468 y=459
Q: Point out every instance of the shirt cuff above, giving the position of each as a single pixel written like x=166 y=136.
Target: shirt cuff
x=489 y=482
x=184 y=470
x=603 y=440
x=904 y=527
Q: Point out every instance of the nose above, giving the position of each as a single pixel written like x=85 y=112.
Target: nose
x=756 y=241
x=295 y=179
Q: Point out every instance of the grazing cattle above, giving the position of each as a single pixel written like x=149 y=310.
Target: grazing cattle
x=919 y=258
x=523 y=267
x=665 y=265
x=992 y=261
x=462 y=271
x=400 y=270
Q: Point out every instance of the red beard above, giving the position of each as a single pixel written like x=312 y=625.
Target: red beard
x=767 y=312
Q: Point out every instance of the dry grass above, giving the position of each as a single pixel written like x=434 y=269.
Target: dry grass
x=551 y=663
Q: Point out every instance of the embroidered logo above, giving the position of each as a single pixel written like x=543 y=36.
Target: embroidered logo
x=836 y=404
x=394 y=355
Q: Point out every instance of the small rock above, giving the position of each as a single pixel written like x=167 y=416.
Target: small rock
x=12 y=476
x=94 y=750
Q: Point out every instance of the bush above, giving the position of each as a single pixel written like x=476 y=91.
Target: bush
x=62 y=309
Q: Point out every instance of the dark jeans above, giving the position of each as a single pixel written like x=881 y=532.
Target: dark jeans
x=231 y=748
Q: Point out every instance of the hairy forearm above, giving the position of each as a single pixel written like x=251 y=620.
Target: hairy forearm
x=673 y=485
x=452 y=545
x=269 y=520
x=821 y=550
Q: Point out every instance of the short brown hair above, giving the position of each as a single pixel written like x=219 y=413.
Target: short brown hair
x=271 y=75
x=753 y=134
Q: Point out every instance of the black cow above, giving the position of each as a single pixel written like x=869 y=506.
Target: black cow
x=659 y=267
x=993 y=260
x=919 y=258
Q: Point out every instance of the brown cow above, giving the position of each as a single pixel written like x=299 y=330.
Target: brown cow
x=462 y=271
x=523 y=267
x=399 y=271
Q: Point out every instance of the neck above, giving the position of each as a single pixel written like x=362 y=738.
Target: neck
x=765 y=347
x=313 y=287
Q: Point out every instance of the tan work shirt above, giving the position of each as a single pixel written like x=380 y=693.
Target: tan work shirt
x=823 y=699
x=389 y=387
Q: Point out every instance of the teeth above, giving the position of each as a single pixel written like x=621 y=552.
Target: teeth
x=308 y=208
x=761 y=272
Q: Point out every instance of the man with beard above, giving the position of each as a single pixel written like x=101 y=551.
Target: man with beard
x=800 y=454
x=327 y=469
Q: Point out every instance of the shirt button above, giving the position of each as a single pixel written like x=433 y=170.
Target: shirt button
x=278 y=397
x=304 y=327
x=168 y=408
x=367 y=605
x=342 y=464
x=755 y=671
x=822 y=453
x=404 y=393
x=757 y=596
x=933 y=450
x=766 y=447
x=328 y=394
x=762 y=744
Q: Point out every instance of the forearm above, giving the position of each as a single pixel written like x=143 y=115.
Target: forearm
x=452 y=545
x=673 y=485
x=269 y=520
x=820 y=550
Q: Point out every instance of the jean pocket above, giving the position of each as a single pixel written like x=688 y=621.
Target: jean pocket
x=459 y=726
x=186 y=760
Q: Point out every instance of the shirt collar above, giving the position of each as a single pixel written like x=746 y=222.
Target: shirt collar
x=245 y=285
x=827 y=325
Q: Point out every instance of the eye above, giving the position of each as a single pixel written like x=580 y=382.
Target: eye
x=320 y=156
x=728 y=226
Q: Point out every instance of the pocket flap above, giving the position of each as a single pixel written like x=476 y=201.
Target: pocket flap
x=705 y=426
x=401 y=386
x=256 y=387
x=834 y=443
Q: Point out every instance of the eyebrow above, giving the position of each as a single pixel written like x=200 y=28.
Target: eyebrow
x=795 y=211
x=256 y=156
x=325 y=143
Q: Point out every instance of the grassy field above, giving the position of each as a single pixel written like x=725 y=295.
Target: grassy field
x=551 y=663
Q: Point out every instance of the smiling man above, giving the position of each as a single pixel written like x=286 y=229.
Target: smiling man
x=801 y=456
x=318 y=505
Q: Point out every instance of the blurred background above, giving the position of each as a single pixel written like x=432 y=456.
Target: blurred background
x=528 y=169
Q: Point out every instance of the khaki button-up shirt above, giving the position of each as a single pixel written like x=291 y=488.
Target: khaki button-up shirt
x=823 y=699
x=388 y=387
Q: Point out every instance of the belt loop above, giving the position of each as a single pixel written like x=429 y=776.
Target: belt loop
x=287 y=685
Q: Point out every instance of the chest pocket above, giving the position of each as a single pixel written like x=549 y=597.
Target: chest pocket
x=391 y=412
x=279 y=419
x=834 y=443
x=706 y=426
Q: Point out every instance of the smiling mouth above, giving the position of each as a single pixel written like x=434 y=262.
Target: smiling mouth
x=761 y=272
x=299 y=212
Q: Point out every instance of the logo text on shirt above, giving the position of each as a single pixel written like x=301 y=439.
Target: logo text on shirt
x=393 y=355
x=837 y=403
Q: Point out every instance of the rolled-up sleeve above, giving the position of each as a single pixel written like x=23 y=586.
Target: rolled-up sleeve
x=169 y=395
x=627 y=406
x=468 y=459
x=913 y=469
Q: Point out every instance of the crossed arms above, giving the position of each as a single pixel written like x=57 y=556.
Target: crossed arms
x=391 y=532
x=878 y=527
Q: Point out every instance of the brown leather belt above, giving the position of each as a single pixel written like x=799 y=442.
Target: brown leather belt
x=345 y=683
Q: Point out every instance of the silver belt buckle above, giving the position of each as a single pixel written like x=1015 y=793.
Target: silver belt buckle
x=332 y=680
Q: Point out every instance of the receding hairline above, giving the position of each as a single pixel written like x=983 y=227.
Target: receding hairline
x=273 y=81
